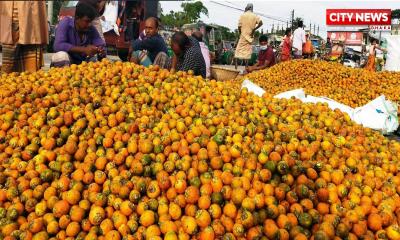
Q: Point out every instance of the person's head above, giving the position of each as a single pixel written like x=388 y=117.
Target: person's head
x=300 y=24
x=84 y=15
x=263 y=40
x=374 y=41
x=328 y=39
x=179 y=43
x=151 y=26
x=198 y=36
x=288 y=32
x=249 y=7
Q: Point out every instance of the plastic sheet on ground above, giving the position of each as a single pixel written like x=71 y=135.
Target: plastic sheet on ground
x=379 y=114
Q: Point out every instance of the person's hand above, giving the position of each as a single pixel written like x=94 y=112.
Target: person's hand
x=252 y=33
x=142 y=35
x=130 y=50
x=101 y=51
x=91 y=50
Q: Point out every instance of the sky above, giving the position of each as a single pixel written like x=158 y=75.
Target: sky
x=311 y=11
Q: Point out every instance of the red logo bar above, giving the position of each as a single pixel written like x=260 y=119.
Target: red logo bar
x=358 y=16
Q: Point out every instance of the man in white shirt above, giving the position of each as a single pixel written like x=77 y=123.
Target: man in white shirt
x=204 y=50
x=299 y=39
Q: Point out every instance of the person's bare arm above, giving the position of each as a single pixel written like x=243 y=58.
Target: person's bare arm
x=174 y=62
x=381 y=48
x=261 y=66
x=260 y=23
x=130 y=50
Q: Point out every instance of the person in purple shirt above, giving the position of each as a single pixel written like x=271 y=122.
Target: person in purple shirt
x=76 y=39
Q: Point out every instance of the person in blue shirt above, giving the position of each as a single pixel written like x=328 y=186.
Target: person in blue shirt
x=150 y=47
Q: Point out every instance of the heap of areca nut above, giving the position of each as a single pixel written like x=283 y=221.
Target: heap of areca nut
x=118 y=151
x=353 y=87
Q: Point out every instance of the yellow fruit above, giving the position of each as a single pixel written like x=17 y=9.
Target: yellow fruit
x=118 y=150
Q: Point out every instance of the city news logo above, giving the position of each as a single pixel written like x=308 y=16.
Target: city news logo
x=376 y=19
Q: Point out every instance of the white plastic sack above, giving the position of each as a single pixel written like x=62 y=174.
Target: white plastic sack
x=331 y=103
x=379 y=114
x=110 y=17
x=297 y=93
x=300 y=94
x=251 y=87
x=393 y=53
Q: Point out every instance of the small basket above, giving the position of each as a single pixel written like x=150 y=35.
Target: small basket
x=223 y=73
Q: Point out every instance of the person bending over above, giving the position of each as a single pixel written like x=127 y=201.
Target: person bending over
x=266 y=56
x=187 y=54
x=76 y=39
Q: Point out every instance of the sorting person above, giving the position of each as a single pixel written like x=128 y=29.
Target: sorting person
x=99 y=5
x=150 y=48
x=187 y=54
x=76 y=39
x=266 y=56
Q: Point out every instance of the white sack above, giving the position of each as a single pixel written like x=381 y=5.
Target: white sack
x=297 y=93
x=331 y=103
x=379 y=114
x=251 y=87
x=110 y=17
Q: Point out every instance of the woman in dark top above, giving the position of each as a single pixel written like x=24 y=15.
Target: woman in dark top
x=187 y=54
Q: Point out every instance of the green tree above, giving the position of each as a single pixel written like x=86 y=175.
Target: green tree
x=191 y=13
x=227 y=34
x=396 y=13
x=296 y=22
x=172 y=19
x=56 y=9
x=257 y=34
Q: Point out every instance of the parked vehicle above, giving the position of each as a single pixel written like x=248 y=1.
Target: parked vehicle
x=349 y=63
x=132 y=15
